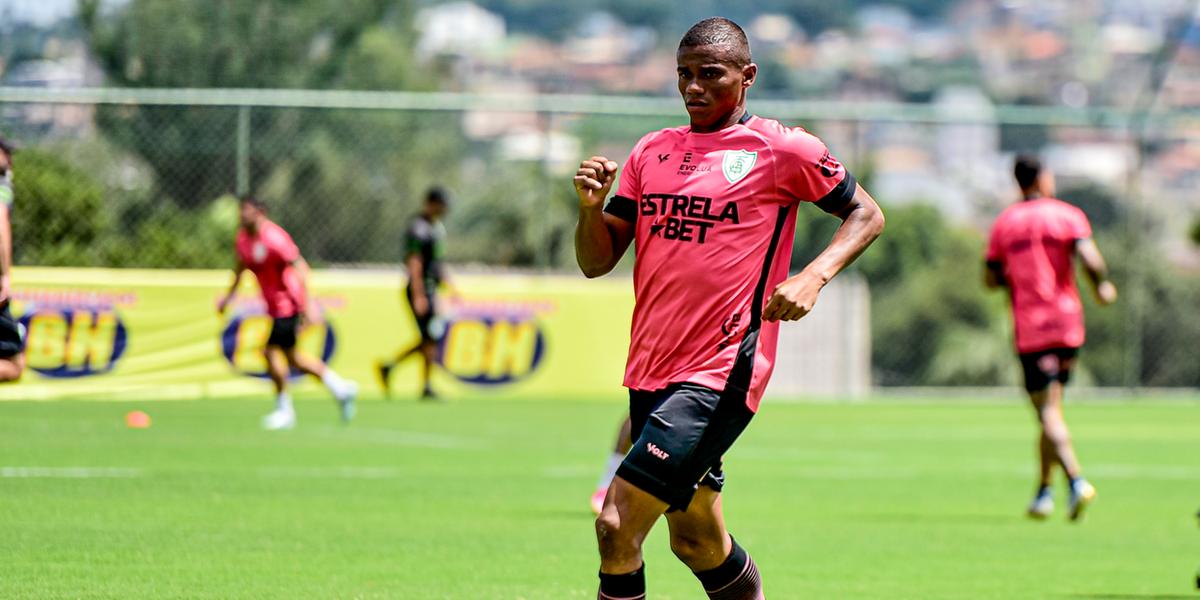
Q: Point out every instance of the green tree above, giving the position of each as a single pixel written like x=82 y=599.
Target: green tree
x=342 y=181
x=59 y=217
x=265 y=44
x=64 y=216
x=1098 y=203
x=932 y=321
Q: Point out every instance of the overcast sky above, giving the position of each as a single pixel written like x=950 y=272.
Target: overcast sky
x=38 y=11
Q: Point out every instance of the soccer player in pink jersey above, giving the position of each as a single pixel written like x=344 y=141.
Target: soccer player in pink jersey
x=711 y=208
x=269 y=252
x=1031 y=251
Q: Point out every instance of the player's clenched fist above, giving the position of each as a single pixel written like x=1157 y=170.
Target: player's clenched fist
x=793 y=299
x=594 y=179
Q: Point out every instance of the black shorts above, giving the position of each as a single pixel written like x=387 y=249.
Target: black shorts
x=283 y=332
x=680 y=434
x=423 y=322
x=1047 y=365
x=12 y=342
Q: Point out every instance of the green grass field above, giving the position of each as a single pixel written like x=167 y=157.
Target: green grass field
x=485 y=499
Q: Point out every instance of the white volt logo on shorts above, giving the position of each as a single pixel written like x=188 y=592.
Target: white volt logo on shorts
x=658 y=453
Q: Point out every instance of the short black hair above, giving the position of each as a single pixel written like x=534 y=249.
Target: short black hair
x=1027 y=168
x=253 y=201
x=437 y=195
x=719 y=31
x=7 y=146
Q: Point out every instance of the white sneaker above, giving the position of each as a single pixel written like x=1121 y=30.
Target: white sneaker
x=346 y=400
x=1042 y=506
x=279 y=419
x=1082 y=494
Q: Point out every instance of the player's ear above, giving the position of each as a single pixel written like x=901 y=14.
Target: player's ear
x=749 y=72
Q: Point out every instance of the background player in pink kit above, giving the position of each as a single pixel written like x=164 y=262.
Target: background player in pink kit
x=711 y=209
x=620 y=448
x=1031 y=251
x=269 y=252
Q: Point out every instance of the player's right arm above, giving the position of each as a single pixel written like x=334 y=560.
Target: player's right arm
x=993 y=261
x=1097 y=271
x=600 y=238
x=238 y=269
x=416 y=279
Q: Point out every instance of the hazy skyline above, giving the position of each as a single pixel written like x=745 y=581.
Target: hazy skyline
x=40 y=12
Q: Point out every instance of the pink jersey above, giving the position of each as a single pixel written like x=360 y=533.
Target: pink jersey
x=269 y=255
x=715 y=217
x=1034 y=242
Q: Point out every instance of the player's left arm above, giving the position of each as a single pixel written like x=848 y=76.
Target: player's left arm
x=993 y=275
x=299 y=291
x=1097 y=270
x=862 y=222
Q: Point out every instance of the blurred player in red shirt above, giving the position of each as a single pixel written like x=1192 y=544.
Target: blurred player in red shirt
x=268 y=251
x=711 y=209
x=1031 y=252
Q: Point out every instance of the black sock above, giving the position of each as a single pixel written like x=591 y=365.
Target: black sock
x=630 y=586
x=735 y=579
x=1043 y=488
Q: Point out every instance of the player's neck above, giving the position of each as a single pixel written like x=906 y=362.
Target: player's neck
x=733 y=118
x=1032 y=195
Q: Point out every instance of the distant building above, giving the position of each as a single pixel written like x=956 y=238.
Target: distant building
x=75 y=69
x=458 y=29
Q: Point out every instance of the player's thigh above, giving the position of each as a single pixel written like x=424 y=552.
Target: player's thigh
x=1045 y=368
x=680 y=434
x=302 y=361
x=629 y=512
x=624 y=437
x=276 y=358
x=11 y=367
x=702 y=522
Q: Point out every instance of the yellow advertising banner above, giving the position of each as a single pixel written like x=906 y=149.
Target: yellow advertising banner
x=150 y=334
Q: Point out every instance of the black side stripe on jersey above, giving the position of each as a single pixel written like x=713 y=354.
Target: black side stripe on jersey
x=840 y=196
x=622 y=208
x=743 y=368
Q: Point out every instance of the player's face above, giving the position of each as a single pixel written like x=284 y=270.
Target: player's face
x=248 y=215
x=435 y=209
x=1046 y=184
x=712 y=84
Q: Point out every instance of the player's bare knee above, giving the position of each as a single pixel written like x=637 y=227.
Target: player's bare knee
x=697 y=552
x=614 y=543
x=11 y=369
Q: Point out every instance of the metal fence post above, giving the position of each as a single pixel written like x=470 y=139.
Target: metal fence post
x=243 y=150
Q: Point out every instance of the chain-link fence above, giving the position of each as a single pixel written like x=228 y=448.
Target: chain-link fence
x=148 y=178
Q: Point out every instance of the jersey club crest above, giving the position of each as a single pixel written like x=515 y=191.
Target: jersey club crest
x=737 y=164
